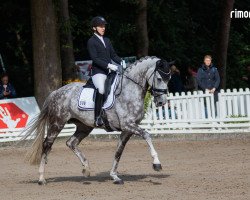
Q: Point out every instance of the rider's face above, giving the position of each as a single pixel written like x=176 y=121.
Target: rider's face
x=101 y=29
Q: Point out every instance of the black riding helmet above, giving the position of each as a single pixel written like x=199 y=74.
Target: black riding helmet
x=98 y=21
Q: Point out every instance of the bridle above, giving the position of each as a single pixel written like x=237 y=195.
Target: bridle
x=153 y=90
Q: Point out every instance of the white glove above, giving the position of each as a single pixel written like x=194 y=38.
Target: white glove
x=123 y=64
x=112 y=67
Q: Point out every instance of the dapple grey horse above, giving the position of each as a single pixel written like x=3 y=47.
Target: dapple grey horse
x=125 y=116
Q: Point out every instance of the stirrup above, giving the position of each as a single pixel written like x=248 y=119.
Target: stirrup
x=99 y=121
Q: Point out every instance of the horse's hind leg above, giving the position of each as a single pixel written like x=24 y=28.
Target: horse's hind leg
x=53 y=131
x=82 y=131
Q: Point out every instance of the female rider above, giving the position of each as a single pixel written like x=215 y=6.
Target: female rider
x=102 y=53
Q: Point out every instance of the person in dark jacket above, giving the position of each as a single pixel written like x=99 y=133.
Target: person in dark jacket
x=208 y=76
x=191 y=80
x=102 y=54
x=6 y=89
x=175 y=83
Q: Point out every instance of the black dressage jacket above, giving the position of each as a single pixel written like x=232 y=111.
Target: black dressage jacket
x=101 y=55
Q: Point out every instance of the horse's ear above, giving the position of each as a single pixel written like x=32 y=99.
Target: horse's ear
x=163 y=62
x=159 y=63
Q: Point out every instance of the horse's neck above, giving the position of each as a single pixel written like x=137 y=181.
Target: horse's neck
x=138 y=73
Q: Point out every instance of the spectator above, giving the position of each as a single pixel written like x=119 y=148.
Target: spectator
x=191 y=80
x=175 y=83
x=208 y=77
x=247 y=76
x=6 y=89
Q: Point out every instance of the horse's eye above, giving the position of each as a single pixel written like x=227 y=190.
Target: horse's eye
x=159 y=79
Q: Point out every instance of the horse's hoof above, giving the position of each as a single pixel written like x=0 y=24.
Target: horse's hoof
x=157 y=167
x=42 y=182
x=86 y=173
x=119 y=182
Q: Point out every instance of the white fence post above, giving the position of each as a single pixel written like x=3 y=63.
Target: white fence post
x=235 y=103
x=242 y=106
x=229 y=104
x=248 y=101
x=201 y=106
x=184 y=106
x=172 y=107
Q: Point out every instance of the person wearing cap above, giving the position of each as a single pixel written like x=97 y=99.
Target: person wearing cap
x=102 y=54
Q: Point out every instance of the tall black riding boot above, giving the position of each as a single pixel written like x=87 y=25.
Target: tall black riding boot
x=98 y=108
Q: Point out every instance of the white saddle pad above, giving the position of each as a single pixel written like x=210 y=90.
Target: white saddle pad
x=86 y=99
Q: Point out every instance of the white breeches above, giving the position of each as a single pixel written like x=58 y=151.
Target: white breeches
x=99 y=82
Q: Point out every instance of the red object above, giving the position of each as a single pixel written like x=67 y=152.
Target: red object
x=194 y=73
x=13 y=114
x=89 y=67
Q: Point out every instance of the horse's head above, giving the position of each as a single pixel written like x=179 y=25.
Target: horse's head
x=158 y=81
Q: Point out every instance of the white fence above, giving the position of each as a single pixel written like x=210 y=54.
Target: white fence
x=185 y=113
x=199 y=113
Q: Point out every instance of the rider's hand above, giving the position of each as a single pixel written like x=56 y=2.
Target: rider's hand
x=123 y=64
x=112 y=67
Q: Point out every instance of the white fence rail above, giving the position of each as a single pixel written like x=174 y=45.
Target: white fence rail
x=184 y=113
x=235 y=103
x=199 y=113
x=9 y=135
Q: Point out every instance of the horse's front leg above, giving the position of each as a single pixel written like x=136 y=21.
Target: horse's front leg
x=124 y=137
x=156 y=162
x=146 y=136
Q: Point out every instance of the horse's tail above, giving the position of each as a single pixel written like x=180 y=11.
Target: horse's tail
x=37 y=128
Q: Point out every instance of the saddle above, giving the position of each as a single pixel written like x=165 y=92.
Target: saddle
x=86 y=99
